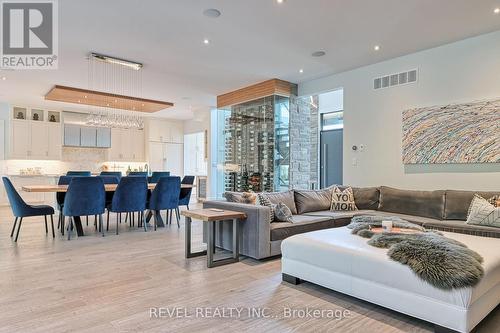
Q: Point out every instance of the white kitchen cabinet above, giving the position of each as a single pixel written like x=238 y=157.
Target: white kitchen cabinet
x=176 y=133
x=166 y=157
x=175 y=158
x=39 y=135
x=34 y=139
x=137 y=145
x=115 y=153
x=20 y=140
x=127 y=145
x=157 y=156
x=55 y=142
x=165 y=131
x=2 y=141
x=72 y=135
x=158 y=131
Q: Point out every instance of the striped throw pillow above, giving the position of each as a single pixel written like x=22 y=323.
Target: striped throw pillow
x=264 y=201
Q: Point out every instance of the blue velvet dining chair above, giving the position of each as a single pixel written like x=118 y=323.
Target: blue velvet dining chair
x=85 y=196
x=185 y=194
x=156 y=175
x=63 y=180
x=130 y=197
x=111 y=173
x=165 y=196
x=109 y=179
x=21 y=209
x=79 y=173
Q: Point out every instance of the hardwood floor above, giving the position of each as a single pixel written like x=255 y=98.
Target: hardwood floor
x=110 y=284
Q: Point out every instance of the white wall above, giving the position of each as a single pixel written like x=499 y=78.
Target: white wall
x=459 y=72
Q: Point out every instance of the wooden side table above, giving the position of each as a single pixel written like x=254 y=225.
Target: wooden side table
x=210 y=216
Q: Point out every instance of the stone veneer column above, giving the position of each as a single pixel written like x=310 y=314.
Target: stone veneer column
x=303 y=143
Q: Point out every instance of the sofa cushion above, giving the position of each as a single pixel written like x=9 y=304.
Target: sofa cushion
x=312 y=201
x=419 y=203
x=420 y=220
x=341 y=214
x=285 y=197
x=366 y=197
x=299 y=225
x=458 y=202
x=461 y=227
x=342 y=218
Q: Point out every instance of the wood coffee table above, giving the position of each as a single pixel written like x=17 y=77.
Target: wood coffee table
x=210 y=216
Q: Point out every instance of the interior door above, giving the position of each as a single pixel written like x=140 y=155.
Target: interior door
x=331 y=157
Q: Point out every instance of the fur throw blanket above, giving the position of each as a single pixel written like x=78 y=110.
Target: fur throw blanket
x=443 y=262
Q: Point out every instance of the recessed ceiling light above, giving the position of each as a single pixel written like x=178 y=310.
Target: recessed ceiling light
x=79 y=101
x=376 y=47
x=496 y=11
x=4 y=78
x=212 y=12
x=85 y=96
x=301 y=71
x=318 y=53
x=280 y=1
x=206 y=41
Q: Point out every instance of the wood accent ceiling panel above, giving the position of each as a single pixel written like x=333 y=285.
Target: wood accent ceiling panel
x=255 y=91
x=102 y=99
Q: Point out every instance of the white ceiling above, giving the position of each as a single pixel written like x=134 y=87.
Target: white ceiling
x=251 y=41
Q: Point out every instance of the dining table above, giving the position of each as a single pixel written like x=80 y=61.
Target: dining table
x=107 y=188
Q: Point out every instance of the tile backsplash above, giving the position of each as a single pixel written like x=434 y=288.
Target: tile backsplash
x=92 y=159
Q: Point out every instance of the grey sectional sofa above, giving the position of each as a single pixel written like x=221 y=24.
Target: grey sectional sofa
x=444 y=210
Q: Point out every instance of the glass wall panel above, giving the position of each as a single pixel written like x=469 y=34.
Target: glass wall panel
x=256 y=145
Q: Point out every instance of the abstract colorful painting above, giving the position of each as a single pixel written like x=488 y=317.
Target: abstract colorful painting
x=455 y=133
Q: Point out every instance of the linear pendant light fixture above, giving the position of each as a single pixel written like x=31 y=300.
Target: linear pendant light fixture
x=117 y=61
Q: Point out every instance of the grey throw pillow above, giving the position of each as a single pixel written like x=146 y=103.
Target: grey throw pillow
x=233 y=196
x=282 y=213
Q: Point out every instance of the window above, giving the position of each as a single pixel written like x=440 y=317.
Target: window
x=332 y=120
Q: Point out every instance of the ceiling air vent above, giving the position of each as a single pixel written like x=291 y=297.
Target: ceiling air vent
x=397 y=79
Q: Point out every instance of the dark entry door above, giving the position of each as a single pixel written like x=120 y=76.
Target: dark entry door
x=331 y=153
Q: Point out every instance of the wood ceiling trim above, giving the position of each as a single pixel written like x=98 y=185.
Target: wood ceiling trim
x=106 y=100
x=255 y=91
